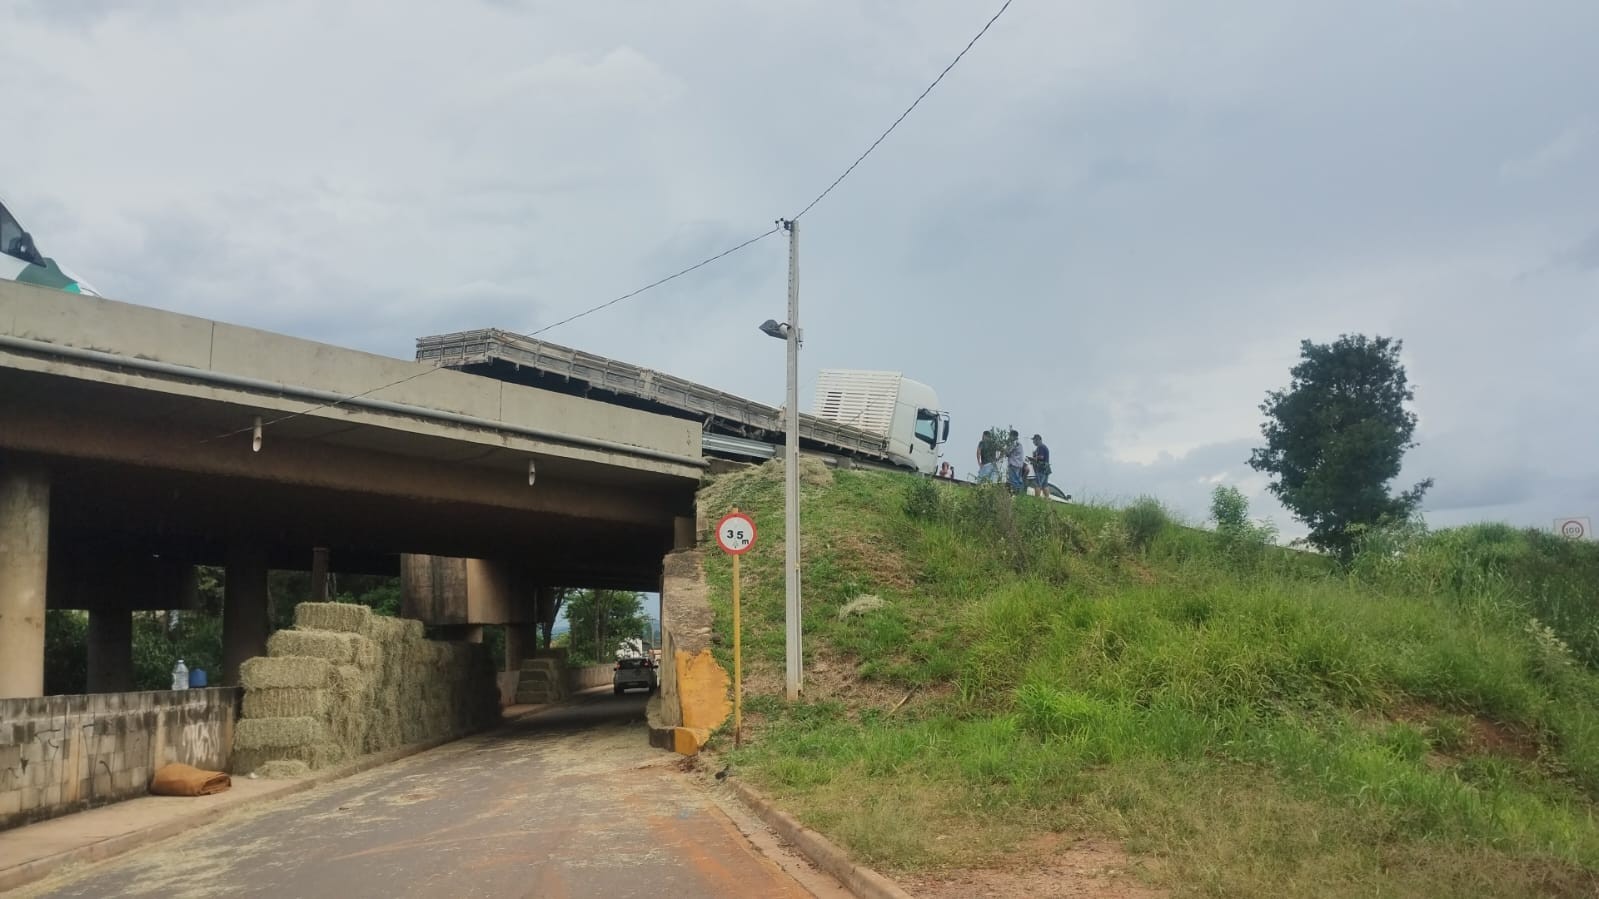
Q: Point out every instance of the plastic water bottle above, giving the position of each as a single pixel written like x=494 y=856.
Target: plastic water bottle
x=180 y=676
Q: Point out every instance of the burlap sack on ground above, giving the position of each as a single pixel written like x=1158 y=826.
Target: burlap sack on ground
x=187 y=780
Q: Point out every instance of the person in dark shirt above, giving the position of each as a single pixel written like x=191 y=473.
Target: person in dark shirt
x=1040 y=460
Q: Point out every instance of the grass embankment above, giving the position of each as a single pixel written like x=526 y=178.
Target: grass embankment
x=1246 y=720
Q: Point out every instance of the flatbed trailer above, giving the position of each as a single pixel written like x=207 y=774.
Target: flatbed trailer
x=732 y=427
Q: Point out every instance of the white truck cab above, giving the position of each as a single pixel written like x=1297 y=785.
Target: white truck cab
x=21 y=261
x=888 y=403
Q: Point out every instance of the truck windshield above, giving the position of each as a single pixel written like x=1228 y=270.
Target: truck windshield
x=14 y=241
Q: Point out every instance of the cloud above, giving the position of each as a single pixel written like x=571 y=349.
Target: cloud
x=1566 y=146
x=1112 y=224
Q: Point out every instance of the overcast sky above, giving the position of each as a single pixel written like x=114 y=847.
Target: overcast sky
x=1113 y=223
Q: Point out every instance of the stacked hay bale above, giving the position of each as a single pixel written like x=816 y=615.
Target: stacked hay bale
x=344 y=682
x=286 y=707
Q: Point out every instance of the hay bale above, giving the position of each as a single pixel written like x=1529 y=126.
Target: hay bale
x=365 y=653
x=860 y=605
x=313 y=756
x=278 y=733
x=346 y=617
x=336 y=647
x=283 y=769
x=411 y=630
x=387 y=631
x=813 y=472
x=265 y=673
x=286 y=702
x=350 y=713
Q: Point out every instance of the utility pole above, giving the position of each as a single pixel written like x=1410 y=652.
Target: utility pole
x=794 y=678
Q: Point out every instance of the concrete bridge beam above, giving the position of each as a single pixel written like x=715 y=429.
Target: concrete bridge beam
x=24 y=570
x=244 y=609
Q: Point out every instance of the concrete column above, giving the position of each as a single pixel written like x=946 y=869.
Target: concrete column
x=519 y=638
x=683 y=536
x=110 y=650
x=244 y=609
x=319 y=574
x=24 y=566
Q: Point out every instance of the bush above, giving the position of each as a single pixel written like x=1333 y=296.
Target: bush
x=922 y=500
x=1112 y=543
x=66 y=655
x=1143 y=521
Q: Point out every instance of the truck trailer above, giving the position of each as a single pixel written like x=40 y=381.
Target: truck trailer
x=873 y=419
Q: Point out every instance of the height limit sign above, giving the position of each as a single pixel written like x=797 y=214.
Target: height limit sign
x=735 y=533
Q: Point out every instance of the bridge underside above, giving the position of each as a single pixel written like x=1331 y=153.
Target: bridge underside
x=115 y=483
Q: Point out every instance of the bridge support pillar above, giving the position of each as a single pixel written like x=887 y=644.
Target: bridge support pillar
x=319 y=574
x=519 y=640
x=683 y=532
x=244 y=609
x=110 y=650
x=24 y=565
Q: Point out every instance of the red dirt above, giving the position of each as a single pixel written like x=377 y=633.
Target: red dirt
x=1050 y=867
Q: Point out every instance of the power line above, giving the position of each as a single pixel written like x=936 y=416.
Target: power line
x=426 y=371
x=929 y=89
x=319 y=407
x=680 y=273
x=627 y=296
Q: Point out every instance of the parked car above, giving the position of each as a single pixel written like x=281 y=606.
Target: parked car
x=21 y=261
x=633 y=673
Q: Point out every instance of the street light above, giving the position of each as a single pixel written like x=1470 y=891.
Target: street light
x=789 y=332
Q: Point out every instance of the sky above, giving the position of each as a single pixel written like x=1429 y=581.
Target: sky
x=1112 y=223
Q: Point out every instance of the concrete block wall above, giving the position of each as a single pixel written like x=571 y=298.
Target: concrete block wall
x=589 y=677
x=61 y=754
x=585 y=678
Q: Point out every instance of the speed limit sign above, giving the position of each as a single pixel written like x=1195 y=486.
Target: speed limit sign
x=735 y=533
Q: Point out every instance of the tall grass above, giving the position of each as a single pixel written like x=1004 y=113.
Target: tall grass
x=1431 y=714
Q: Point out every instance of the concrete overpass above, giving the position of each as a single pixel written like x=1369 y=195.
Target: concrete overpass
x=127 y=457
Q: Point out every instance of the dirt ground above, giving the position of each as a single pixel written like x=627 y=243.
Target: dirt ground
x=1051 y=867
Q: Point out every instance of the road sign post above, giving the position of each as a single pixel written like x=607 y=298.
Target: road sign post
x=735 y=534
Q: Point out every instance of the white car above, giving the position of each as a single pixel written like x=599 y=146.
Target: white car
x=21 y=261
x=633 y=673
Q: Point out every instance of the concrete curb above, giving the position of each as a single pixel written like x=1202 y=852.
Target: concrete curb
x=858 y=879
x=100 y=850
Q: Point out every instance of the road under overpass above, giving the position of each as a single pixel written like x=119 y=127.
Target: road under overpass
x=129 y=455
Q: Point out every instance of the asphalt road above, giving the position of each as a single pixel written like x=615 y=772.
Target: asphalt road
x=566 y=804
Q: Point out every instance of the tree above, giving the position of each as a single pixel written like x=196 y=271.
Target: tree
x=1337 y=436
x=549 y=616
x=600 y=620
x=1229 y=508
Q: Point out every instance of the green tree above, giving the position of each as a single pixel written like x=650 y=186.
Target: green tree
x=600 y=620
x=1337 y=436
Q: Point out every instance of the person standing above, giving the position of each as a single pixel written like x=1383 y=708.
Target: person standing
x=1015 y=461
x=1040 y=460
x=988 y=453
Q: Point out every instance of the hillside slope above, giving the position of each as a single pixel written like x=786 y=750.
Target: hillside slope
x=1241 y=720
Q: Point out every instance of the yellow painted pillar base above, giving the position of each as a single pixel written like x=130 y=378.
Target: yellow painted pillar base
x=689 y=740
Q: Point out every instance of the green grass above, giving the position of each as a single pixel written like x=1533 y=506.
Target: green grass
x=1249 y=719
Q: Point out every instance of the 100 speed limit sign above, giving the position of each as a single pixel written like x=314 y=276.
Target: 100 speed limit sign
x=735 y=533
